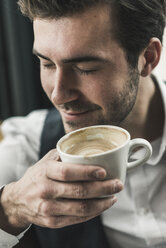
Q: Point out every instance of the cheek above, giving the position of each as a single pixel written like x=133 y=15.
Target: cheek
x=101 y=87
x=107 y=90
x=91 y=89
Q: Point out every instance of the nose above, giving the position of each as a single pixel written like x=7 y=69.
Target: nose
x=64 y=88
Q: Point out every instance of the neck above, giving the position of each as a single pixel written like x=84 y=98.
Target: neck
x=146 y=119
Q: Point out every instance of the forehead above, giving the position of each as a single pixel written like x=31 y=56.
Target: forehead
x=94 y=28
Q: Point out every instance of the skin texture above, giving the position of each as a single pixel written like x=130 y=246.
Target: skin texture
x=53 y=197
x=86 y=92
x=86 y=76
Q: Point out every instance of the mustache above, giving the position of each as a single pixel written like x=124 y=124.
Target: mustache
x=79 y=106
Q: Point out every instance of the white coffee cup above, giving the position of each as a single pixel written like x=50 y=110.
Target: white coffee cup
x=107 y=146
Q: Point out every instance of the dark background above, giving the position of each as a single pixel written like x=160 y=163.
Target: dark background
x=20 y=89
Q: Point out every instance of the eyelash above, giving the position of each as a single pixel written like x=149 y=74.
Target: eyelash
x=85 y=72
x=48 y=66
x=81 y=72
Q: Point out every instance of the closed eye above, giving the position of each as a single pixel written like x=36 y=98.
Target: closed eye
x=48 y=66
x=85 y=72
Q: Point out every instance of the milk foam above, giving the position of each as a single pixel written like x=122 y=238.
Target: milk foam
x=93 y=141
x=91 y=147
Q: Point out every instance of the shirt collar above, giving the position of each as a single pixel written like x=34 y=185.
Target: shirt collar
x=158 y=145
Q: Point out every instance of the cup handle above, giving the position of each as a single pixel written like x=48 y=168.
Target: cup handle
x=139 y=143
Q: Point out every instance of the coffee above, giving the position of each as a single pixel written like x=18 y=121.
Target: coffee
x=90 y=142
x=91 y=147
x=107 y=146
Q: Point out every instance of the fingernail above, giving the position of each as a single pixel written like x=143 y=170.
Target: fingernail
x=100 y=174
x=118 y=186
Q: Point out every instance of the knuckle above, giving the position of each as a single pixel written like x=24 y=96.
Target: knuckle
x=109 y=188
x=87 y=173
x=106 y=204
x=83 y=208
x=44 y=191
x=80 y=191
x=53 y=222
x=50 y=222
x=60 y=222
x=63 y=173
x=53 y=154
x=109 y=203
x=51 y=151
x=44 y=208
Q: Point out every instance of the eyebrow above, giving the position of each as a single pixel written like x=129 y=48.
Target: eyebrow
x=80 y=59
x=35 y=52
x=77 y=59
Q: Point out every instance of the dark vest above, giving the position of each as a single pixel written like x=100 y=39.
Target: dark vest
x=85 y=235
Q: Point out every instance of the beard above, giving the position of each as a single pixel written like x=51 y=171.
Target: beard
x=123 y=103
x=117 y=107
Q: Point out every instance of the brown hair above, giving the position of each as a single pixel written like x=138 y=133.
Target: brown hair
x=137 y=21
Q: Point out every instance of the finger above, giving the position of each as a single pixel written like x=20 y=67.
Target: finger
x=51 y=155
x=87 y=190
x=80 y=208
x=73 y=172
x=60 y=221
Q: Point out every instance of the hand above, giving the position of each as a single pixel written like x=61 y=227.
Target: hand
x=55 y=194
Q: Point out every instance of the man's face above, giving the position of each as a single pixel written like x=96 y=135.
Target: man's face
x=84 y=71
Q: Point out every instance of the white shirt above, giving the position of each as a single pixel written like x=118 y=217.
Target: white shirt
x=137 y=220
x=18 y=150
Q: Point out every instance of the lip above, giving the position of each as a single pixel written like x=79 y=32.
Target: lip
x=71 y=115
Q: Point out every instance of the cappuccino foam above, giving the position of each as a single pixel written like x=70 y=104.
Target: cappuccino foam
x=91 y=141
x=91 y=147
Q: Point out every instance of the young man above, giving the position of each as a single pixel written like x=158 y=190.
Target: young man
x=96 y=63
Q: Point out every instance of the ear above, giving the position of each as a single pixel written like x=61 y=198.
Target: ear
x=151 y=56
